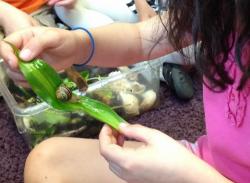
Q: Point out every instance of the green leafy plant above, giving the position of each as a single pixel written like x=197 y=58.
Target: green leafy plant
x=44 y=81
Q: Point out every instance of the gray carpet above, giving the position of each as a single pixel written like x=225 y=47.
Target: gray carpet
x=13 y=150
x=177 y=118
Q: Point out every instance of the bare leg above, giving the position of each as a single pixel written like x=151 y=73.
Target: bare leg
x=68 y=160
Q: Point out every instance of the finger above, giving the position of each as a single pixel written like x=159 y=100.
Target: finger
x=109 y=150
x=18 y=78
x=23 y=84
x=67 y=3
x=36 y=45
x=112 y=134
x=107 y=135
x=18 y=39
x=8 y=55
x=138 y=132
x=116 y=137
x=120 y=140
x=52 y=2
x=15 y=75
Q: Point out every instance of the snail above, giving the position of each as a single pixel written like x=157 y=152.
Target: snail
x=63 y=93
x=77 y=79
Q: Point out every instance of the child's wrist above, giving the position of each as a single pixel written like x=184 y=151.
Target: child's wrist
x=85 y=46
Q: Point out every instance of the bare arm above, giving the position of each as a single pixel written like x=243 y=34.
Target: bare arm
x=144 y=10
x=124 y=44
x=117 y=44
x=13 y=19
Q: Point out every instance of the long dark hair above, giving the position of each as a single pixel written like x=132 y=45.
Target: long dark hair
x=216 y=27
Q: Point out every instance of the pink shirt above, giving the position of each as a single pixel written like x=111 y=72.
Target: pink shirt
x=227 y=143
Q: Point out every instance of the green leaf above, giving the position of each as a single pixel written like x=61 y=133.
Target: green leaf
x=97 y=110
x=85 y=74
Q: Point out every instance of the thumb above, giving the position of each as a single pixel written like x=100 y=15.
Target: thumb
x=52 y=2
x=66 y=3
x=32 y=49
x=37 y=44
x=138 y=132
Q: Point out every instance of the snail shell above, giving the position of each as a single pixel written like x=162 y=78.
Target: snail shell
x=130 y=103
x=63 y=93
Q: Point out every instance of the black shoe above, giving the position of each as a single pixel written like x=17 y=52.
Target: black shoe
x=178 y=80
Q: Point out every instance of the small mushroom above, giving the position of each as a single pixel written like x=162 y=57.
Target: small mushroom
x=148 y=100
x=130 y=104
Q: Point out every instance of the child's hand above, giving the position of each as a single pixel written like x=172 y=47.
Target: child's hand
x=11 y=23
x=158 y=159
x=58 y=47
x=65 y=3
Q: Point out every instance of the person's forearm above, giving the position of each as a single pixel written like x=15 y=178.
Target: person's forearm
x=5 y=8
x=124 y=44
x=199 y=171
x=115 y=45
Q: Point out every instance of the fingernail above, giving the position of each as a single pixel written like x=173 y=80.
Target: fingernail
x=123 y=125
x=25 y=54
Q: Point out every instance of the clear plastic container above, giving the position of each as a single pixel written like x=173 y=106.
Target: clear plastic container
x=130 y=91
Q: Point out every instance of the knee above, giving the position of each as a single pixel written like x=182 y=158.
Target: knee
x=41 y=161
